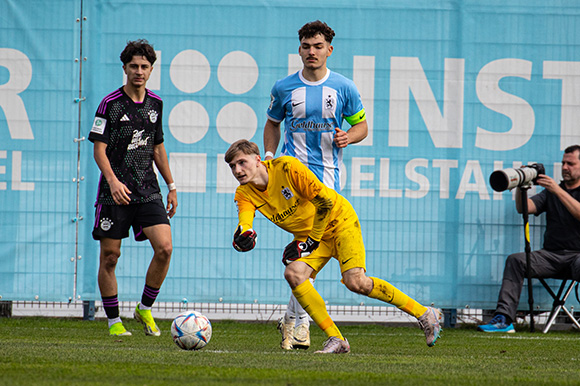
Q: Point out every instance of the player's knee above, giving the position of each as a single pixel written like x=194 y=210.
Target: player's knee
x=289 y=275
x=292 y=276
x=109 y=258
x=165 y=250
x=357 y=285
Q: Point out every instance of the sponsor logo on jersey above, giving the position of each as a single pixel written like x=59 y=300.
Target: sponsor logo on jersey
x=137 y=140
x=125 y=118
x=99 y=125
x=153 y=116
x=311 y=126
x=279 y=217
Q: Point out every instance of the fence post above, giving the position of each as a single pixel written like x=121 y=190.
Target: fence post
x=88 y=310
x=5 y=309
x=450 y=317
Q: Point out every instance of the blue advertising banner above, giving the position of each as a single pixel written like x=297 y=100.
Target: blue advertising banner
x=452 y=92
x=39 y=81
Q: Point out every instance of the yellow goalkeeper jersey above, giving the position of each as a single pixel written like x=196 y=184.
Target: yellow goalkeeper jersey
x=287 y=200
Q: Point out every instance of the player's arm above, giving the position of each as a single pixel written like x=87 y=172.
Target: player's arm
x=358 y=131
x=119 y=191
x=244 y=237
x=297 y=248
x=309 y=185
x=271 y=137
x=323 y=204
x=162 y=163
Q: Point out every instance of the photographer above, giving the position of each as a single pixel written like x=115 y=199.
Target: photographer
x=560 y=256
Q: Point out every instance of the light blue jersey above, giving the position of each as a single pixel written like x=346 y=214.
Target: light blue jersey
x=311 y=111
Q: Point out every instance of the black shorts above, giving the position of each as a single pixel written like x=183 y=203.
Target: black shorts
x=114 y=221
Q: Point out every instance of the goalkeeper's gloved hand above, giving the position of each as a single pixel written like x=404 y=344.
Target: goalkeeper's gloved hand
x=297 y=249
x=244 y=242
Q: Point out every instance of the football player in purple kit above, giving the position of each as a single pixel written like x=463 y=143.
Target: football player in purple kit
x=128 y=138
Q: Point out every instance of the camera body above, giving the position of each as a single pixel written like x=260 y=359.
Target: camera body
x=510 y=178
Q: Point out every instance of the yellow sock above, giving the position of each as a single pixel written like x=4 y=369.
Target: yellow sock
x=313 y=303
x=388 y=293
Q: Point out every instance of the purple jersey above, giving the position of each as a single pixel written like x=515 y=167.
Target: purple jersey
x=130 y=130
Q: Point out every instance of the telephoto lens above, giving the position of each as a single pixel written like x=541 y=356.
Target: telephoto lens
x=510 y=178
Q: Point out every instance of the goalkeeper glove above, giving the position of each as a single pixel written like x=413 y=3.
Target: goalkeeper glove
x=244 y=242
x=297 y=249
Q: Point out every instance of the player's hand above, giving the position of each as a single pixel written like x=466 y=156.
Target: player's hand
x=171 y=203
x=246 y=241
x=297 y=249
x=340 y=137
x=120 y=193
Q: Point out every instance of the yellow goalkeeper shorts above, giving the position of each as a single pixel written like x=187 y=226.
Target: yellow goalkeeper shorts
x=345 y=245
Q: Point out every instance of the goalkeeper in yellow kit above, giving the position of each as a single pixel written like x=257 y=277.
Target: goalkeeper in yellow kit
x=324 y=225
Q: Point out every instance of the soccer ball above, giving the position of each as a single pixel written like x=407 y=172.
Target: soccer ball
x=191 y=330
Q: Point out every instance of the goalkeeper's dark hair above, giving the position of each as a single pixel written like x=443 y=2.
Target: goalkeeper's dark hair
x=310 y=30
x=139 y=47
x=572 y=149
x=241 y=146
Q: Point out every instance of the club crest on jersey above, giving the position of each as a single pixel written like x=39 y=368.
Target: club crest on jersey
x=153 y=116
x=106 y=224
x=287 y=193
x=329 y=102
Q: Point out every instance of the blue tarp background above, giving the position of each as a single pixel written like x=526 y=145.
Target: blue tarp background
x=453 y=91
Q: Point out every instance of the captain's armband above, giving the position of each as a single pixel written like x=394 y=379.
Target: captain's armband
x=356 y=118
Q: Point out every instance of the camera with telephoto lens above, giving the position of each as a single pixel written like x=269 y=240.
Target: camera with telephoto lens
x=523 y=177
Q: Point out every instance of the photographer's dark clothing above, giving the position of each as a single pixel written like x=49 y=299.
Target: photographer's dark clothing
x=545 y=264
x=562 y=229
x=559 y=259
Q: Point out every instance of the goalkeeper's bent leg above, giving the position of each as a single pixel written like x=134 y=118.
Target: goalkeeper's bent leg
x=313 y=303
x=388 y=293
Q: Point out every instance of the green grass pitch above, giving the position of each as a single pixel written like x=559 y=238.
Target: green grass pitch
x=56 y=351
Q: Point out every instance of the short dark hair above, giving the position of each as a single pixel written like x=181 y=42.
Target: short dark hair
x=139 y=47
x=241 y=146
x=572 y=149
x=314 y=28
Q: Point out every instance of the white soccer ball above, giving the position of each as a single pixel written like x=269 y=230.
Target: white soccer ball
x=191 y=330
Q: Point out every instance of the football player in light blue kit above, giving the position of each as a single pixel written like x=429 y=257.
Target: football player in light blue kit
x=313 y=103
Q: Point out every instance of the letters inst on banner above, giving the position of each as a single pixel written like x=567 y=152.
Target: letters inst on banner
x=444 y=120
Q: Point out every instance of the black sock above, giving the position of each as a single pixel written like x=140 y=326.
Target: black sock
x=111 y=306
x=149 y=296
